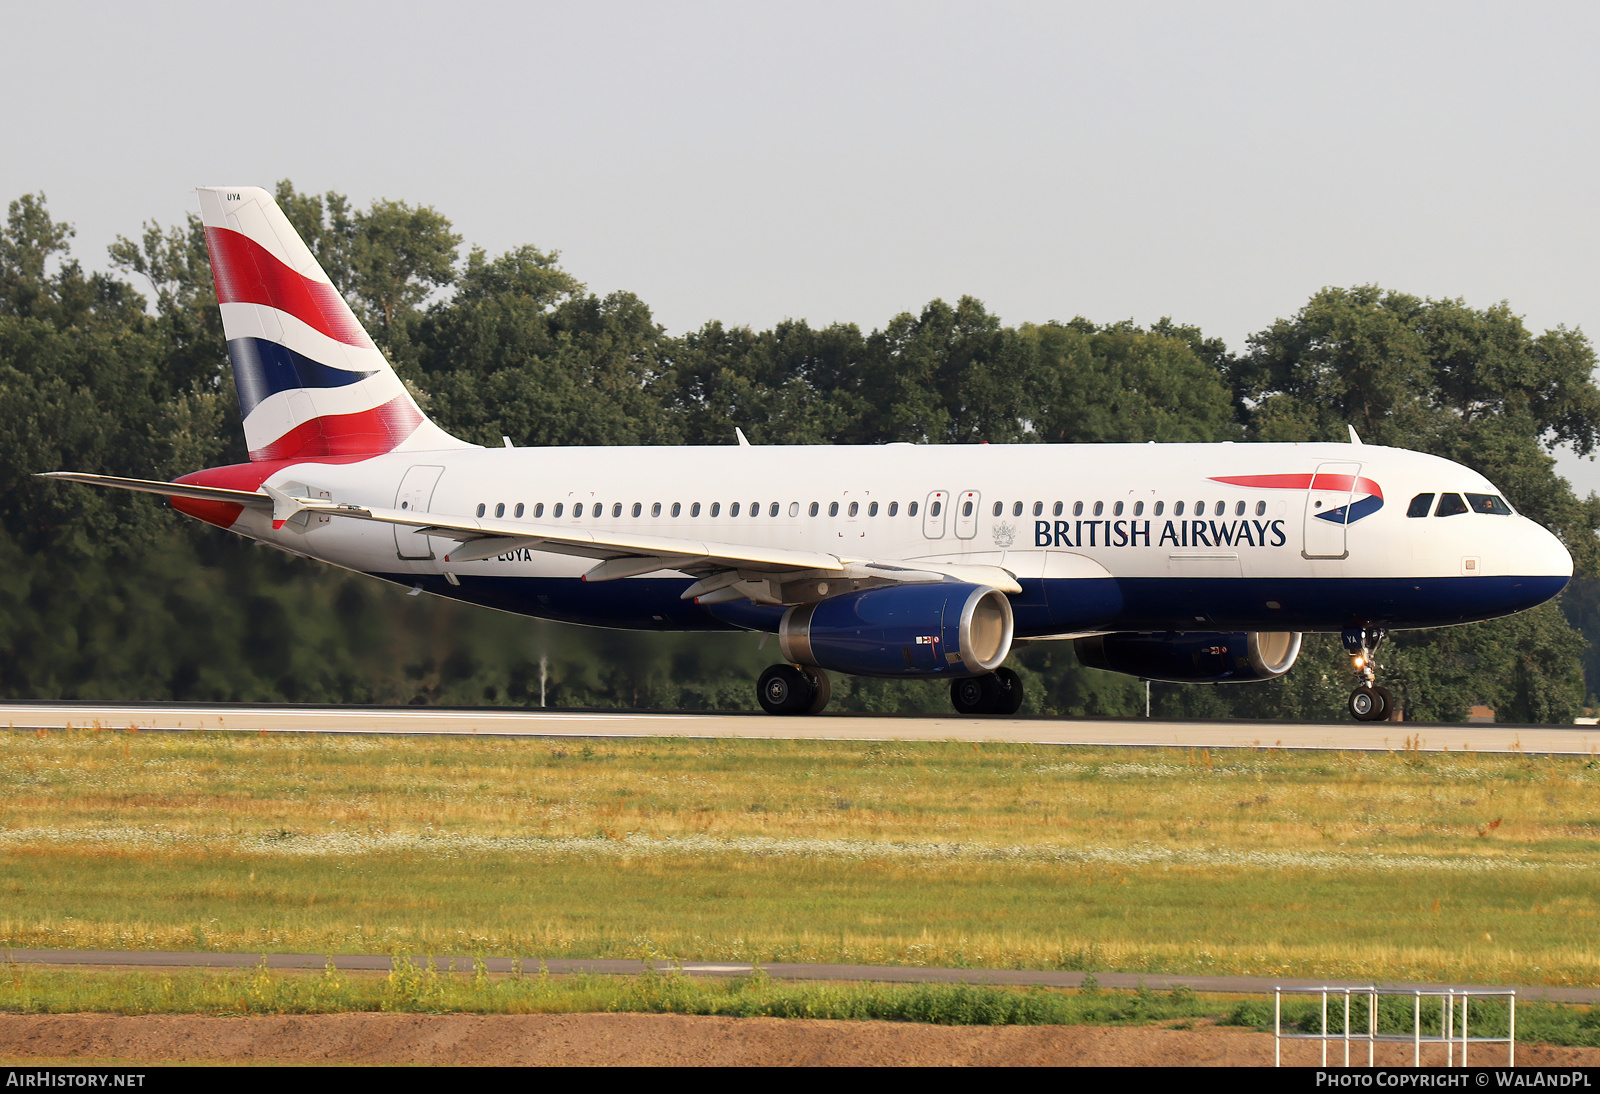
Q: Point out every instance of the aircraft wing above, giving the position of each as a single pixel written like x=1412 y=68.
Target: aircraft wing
x=726 y=571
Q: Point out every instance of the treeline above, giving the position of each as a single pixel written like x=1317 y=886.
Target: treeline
x=105 y=595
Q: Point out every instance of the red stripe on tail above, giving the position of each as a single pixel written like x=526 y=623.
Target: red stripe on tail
x=364 y=433
x=247 y=273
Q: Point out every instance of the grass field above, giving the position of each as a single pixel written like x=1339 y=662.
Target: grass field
x=1405 y=864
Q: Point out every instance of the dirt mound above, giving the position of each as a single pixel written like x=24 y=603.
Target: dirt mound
x=641 y=1039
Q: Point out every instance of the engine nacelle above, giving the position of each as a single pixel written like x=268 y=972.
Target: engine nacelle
x=944 y=628
x=1237 y=658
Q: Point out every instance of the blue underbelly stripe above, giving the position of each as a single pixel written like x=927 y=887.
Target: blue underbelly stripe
x=1049 y=607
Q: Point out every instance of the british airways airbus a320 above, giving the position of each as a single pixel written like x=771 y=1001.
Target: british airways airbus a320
x=1195 y=563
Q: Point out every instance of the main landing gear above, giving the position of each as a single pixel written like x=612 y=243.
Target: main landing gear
x=999 y=692
x=793 y=689
x=802 y=689
x=1368 y=702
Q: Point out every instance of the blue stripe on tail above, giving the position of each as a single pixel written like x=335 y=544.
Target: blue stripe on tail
x=262 y=368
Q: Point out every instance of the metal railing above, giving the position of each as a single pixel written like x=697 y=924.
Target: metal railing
x=1447 y=1035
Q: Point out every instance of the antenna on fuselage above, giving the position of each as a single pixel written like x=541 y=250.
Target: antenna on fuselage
x=1354 y=439
x=744 y=442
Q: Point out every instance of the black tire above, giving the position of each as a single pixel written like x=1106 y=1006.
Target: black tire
x=821 y=690
x=1388 y=703
x=1010 y=688
x=975 y=694
x=784 y=689
x=1369 y=704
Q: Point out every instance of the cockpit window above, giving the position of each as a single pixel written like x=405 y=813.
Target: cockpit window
x=1450 y=505
x=1420 y=505
x=1488 y=503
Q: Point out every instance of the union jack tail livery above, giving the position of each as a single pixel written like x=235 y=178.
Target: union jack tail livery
x=311 y=383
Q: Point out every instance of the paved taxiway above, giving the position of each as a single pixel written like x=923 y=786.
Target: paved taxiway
x=893 y=974
x=245 y=718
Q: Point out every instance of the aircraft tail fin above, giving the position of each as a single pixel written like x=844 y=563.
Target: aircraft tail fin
x=311 y=382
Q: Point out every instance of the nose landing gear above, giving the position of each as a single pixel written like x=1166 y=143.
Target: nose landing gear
x=1368 y=702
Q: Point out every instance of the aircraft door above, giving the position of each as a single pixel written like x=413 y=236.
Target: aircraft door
x=933 y=516
x=967 y=514
x=415 y=496
x=1327 y=509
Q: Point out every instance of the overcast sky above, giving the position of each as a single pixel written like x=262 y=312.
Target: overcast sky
x=749 y=162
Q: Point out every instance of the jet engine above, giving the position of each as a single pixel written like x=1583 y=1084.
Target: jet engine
x=946 y=628
x=1193 y=658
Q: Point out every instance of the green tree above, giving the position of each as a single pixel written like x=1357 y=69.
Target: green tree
x=789 y=385
x=1095 y=385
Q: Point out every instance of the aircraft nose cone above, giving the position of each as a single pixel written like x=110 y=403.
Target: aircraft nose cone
x=1537 y=553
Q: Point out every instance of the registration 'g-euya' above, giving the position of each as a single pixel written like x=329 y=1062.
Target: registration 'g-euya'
x=1195 y=563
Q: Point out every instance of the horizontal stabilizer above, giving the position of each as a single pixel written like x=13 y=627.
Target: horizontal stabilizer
x=248 y=498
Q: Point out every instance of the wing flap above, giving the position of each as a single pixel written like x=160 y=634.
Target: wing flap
x=770 y=575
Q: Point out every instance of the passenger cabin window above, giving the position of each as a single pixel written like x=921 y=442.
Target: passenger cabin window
x=1238 y=510
x=694 y=510
x=1160 y=505
x=772 y=510
x=933 y=510
x=655 y=509
x=1420 y=505
x=556 y=512
x=1261 y=508
x=1177 y=510
x=1116 y=510
x=1450 y=505
x=966 y=508
x=999 y=507
x=1056 y=510
x=855 y=507
x=677 y=508
x=482 y=509
x=794 y=509
x=538 y=510
x=1199 y=508
x=755 y=509
x=1488 y=503
x=833 y=508
x=814 y=508
x=616 y=510
x=911 y=509
x=872 y=510
x=517 y=512
x=1099 y=507
x=733 y=510
x=894 y=508
x=716 y=508
x=1138 y=508
x=1077 y=508
x=637 y=509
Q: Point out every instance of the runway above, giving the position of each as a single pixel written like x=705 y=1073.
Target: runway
x=256 y=718
x=887 y=974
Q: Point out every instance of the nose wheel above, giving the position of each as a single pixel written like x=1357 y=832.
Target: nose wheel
x=1368 y=702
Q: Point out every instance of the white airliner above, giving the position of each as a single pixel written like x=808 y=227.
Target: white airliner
x=1196 y=563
